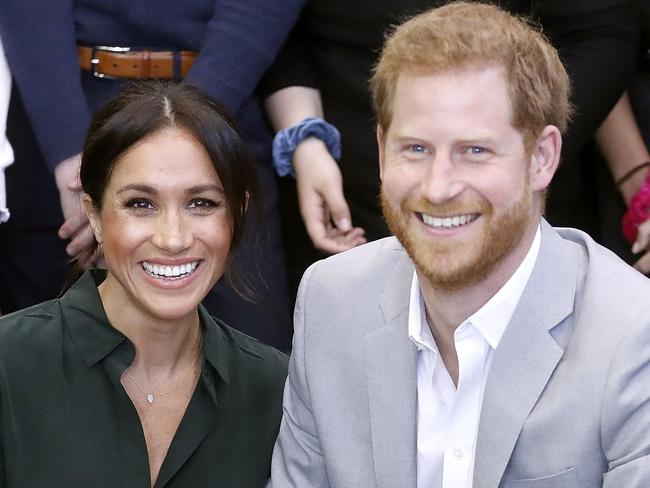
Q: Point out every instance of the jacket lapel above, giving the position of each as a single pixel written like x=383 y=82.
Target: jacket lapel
x=391 y=362
x=526 y=357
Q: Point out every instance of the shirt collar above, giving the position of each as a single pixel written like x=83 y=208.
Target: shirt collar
x=491 y=319
x=418 y=330
x=95 y=338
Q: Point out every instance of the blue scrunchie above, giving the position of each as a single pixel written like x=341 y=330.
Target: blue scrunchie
x=286 y=141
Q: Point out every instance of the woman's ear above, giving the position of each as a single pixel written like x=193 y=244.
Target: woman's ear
x=246 y=199
x=545 y=158
x=93 y=217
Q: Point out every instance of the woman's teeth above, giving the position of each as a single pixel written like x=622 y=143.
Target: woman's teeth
x=170 y=272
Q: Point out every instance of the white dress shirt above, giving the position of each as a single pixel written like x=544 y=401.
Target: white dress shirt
x=6 y=153
x=448 y=417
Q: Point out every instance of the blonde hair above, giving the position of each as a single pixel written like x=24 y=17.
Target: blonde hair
x=470 y=35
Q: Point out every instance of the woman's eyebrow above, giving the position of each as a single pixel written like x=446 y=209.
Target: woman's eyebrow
x=138 y=187
x=141 y=187
x=204 y=188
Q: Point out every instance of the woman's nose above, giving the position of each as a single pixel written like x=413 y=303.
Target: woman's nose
x=173 y=233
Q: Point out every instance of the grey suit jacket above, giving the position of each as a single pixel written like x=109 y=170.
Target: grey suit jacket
x=567 y=400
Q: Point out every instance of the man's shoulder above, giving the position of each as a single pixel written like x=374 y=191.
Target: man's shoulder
x=361 y=263
x=608 y=278
x=356 y=287
x=603 y=261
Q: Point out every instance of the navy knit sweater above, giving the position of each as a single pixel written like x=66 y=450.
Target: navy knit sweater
x=236 y=39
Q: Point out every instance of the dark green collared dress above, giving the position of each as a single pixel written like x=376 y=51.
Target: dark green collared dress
x=67 y=421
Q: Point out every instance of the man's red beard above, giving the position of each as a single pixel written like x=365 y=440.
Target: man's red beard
x=450 y=263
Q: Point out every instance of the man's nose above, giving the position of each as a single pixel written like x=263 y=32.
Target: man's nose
x=173 y=233
x=442 y=180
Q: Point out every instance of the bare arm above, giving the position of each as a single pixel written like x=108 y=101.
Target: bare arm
x=621 y=143
x=320 y=185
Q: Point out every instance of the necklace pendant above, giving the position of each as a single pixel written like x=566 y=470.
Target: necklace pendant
x=150 y=398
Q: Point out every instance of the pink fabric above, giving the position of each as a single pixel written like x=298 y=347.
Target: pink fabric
x=638 y=212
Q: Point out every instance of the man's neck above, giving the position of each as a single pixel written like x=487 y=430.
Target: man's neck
x=447 y=310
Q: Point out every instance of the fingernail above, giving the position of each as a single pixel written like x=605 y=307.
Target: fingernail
x=344 y=225
x=636 y=248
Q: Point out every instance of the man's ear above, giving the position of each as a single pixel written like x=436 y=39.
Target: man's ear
x=93 y=217
x=545 y=158
x=380 y=146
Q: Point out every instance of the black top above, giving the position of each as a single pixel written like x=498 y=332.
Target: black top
x=67 y=421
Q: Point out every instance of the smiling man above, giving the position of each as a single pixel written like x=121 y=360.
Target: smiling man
x=480 y=347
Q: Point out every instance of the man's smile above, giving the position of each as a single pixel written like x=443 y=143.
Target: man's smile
x=447 y=222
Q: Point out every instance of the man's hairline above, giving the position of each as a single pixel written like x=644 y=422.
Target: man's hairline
x=465 y=67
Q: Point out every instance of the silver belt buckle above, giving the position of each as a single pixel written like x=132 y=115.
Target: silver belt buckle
x=94 y=61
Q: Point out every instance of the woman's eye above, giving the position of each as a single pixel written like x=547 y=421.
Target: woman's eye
x=139 y=204
x=203 y=204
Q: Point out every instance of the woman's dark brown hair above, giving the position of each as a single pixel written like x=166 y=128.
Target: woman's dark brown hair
x=145 y=108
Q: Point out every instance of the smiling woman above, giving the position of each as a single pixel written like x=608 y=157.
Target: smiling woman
x=175 y=227
x=141 y=385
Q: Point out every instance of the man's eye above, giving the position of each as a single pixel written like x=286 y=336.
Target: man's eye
x=417 y=148
x=476 y=150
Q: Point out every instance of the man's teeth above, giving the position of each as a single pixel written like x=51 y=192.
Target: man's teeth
x=448 y=222
x=159 y=271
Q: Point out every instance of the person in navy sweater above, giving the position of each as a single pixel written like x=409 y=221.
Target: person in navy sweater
x=49 y=46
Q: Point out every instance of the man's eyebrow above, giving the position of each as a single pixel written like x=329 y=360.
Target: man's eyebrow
x=408 y=138
x=482 y=137
x=477 y=139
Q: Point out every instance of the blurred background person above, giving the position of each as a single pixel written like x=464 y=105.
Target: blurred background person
x=68 y=57
x=626 y=213
x=624 y=177
x=127 y=380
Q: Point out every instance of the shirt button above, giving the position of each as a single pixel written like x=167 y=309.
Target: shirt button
x=458 y=453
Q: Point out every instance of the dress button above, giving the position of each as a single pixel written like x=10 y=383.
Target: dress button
x=458 y=453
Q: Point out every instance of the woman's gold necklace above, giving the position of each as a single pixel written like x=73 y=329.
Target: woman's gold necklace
x=151 y=397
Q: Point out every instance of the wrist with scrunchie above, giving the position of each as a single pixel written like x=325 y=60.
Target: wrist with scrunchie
x=638 y=212
x=286 y=141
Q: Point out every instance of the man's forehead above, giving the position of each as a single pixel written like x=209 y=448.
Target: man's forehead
x=451 y=90
x=460 y=87
x=480 y=71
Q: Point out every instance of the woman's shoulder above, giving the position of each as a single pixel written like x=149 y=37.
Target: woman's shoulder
x=247 y=358
x=30 y=323
x=31 y=338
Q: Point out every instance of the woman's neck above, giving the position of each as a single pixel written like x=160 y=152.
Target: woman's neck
x=163 y=345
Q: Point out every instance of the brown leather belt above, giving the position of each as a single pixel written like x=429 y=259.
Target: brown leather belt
x=125 y=63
